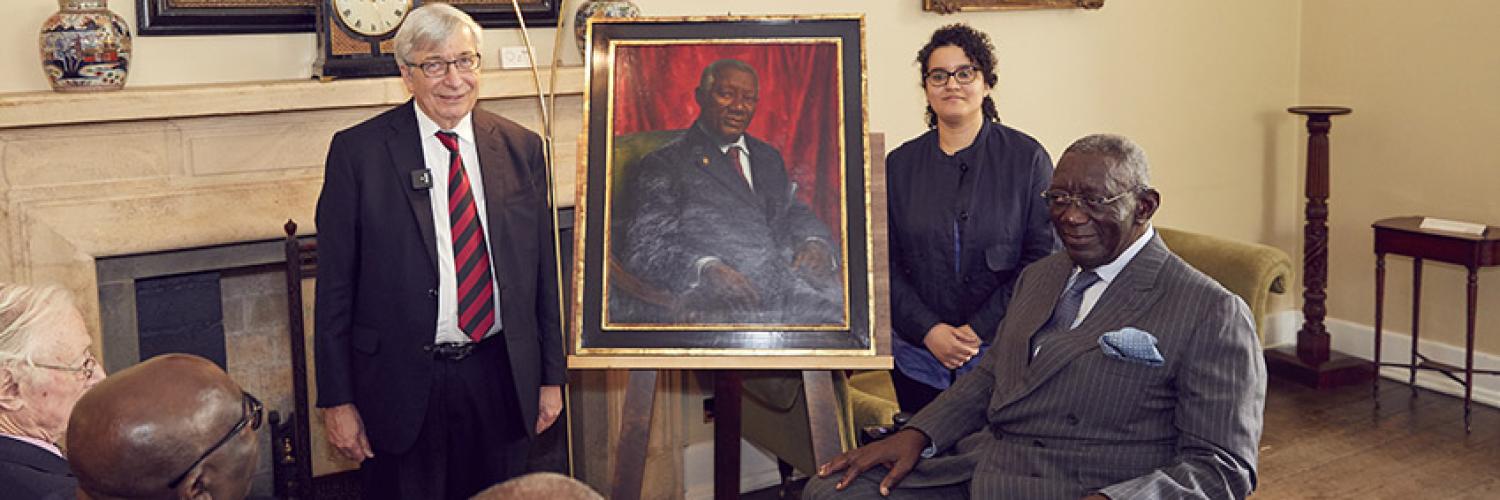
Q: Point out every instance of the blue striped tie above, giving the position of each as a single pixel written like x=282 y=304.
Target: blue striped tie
x=1067 y=309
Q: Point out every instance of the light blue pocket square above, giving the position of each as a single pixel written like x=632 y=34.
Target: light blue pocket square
x=1133 y=345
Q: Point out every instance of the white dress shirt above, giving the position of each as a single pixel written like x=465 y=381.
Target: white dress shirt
x=744 y=158
x=1107 y=274
x=435 y=155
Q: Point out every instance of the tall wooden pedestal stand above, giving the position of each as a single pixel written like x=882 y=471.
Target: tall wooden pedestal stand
x=1312 y=363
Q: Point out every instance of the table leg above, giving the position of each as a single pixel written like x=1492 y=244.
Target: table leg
x=1416 y=317
x=1469 y=346
x=1379 y=317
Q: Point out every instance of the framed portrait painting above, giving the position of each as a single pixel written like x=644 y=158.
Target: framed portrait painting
x=723 y=212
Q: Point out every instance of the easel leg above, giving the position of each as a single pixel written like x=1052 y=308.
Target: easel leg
x=635 y=430
x=822 y=415
x=727 y=393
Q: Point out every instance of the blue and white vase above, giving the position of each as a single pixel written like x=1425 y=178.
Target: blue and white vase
x=85 y=47
x=599 y=8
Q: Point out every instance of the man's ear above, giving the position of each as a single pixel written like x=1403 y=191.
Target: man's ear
x=10 y=390
x=192 y=487
x=1146 y=205
x=406 y=76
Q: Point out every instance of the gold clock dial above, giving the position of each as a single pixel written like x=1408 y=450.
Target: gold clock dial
x=371 y=17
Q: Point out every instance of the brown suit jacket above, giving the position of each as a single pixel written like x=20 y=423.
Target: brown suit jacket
x=1074 y=421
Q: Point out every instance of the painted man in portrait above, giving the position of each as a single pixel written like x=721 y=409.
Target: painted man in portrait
x=717 y=223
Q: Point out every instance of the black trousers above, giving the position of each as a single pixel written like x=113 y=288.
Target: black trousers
x=471 y=437
x=912 y=395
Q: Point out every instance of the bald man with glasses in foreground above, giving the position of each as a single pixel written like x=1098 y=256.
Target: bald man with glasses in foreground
x=173 y=426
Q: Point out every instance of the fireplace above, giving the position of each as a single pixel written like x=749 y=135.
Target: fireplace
x=227 y=303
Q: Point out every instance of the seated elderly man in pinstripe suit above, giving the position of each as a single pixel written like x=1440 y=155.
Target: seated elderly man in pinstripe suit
x=1119 y=371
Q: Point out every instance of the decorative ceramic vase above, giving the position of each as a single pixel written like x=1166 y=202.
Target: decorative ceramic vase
x=85 y=47
x=599 y=8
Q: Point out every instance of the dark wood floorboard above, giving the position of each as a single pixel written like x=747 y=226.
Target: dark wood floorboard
x=1336 y=444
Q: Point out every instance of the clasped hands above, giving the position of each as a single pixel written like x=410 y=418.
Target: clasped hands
x=952 y=345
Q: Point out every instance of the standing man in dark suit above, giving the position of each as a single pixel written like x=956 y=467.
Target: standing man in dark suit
x=718 y=221
x=1119 y=371
x=438 y=347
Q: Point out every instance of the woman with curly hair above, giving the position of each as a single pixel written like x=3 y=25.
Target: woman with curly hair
x=965 y=217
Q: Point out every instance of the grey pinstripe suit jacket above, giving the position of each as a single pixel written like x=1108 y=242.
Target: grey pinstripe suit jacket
x=1073 y=421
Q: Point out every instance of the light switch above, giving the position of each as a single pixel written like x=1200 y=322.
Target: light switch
x=514 y=58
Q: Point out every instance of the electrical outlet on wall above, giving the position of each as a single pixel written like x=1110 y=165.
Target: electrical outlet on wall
x=514 y=58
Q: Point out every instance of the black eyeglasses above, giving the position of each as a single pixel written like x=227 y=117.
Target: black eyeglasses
x=438 y=68
x=251 y=416
x=965 y=75
x=1060 y=200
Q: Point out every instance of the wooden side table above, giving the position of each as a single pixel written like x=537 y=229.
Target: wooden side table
x=1404 y=236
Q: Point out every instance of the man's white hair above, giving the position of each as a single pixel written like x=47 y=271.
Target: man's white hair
x=24 y=312
x=432 y=25
x=1125 y=152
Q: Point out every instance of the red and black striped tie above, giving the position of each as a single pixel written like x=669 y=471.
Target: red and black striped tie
x=471 y=262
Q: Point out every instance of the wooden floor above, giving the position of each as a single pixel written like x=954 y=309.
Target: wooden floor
x=1336 y=444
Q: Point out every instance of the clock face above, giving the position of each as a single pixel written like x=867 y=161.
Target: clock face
x=372 y=17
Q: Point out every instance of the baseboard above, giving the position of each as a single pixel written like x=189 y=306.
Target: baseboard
x=1358 y=340
x=757 y=470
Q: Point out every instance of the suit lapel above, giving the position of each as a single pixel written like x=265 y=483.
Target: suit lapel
x=716 y=165
x=1125 y=299
x=406 y=156
x=499 y=176
x=1031 y=311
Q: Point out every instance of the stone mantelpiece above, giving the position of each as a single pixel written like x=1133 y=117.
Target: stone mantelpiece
x=151 y=169
x=31 y=109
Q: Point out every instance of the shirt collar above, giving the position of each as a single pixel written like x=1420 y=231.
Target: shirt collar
x=738 y=142
x=1108 y=272
x=969 y=154
x=429 y=128
x=36 y=442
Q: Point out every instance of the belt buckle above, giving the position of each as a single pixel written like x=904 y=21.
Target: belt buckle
x=452 y=351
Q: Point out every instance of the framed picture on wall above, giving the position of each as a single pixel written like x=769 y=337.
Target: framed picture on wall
x=951 y=6
x=724 y=204
x=222 y=17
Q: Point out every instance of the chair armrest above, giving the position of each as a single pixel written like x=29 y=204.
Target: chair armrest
x=1251 y=270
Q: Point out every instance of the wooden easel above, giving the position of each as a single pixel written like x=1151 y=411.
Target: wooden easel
x=635 y=427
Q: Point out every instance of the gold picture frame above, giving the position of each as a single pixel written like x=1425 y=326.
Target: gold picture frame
x=952 y=6
x=627 y=145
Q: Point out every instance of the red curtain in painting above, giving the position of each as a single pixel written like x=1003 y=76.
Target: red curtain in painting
x=798 y=111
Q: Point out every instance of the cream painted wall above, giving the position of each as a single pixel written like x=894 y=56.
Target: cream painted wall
x=1422 y=83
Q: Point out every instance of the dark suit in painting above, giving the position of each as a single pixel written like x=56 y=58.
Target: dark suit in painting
x=691 y=205
x=30 y=472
